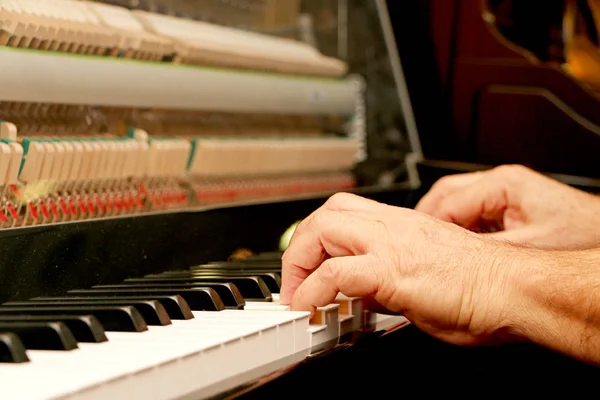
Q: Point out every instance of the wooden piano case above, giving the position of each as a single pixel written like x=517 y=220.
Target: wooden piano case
x=495 y=82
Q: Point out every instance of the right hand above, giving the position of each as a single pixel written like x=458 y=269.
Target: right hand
x=522 y=206
x=453 y=284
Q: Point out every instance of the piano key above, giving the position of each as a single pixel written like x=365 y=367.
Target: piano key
x=249 y=287
x=271 y=279
x=42 y=335
x=229 y=290
x=115 y=318
x=85 y=328
x=202 y=344
x=379 y=322
x=324 y=327
x=229 y=293
x=176 y=306
x=265 y=256
x=197 y=298
x=238 y=266
x=152 y=311
x=350 y=315
x=218 y=347
x=12 y=349
x=269 y=255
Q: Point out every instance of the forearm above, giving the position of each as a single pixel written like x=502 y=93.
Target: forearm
x=558 y=305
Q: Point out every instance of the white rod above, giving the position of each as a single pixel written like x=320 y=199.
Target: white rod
x=31 y=76
x=395 y=61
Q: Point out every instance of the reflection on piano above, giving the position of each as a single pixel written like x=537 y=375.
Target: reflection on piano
x=119 y=128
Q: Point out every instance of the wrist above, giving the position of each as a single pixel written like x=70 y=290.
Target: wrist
x=552 y=301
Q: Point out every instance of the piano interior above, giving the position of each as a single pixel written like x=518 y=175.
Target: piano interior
x=154 y=152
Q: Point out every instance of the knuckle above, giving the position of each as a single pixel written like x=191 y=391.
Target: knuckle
x=444 y=183
x=338 y=199
x=329 y=271
x=321 y=217
x=302 y=225
x=301 y=298
x=510 y=171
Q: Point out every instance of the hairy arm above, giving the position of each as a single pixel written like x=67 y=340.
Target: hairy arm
x=559 y=302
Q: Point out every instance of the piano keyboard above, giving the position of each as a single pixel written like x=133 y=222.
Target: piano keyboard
x=196 y=332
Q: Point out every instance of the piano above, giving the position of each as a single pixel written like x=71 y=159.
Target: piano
x=152 y=155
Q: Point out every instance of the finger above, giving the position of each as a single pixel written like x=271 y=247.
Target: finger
x=484 y=200
x=353 y=276
x=445 y=187
x=352 y=202
x=328 y=233
x=345 y=202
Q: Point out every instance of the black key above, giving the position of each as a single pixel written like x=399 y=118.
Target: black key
x=197 y=298
x=253 y=288
x=115 y=318
x=266 y=256
x=12 y=349
x=176 y=306
x=237 y=266
x=232 y=271
x=252 y=260
x=152 y=311
x=42 y=335
x=272 y=280
x=85 y=328
x=222 y=273
x=217 y=271
x=229 y=293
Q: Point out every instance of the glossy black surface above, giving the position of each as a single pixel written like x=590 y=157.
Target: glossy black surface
x=151 y=310
x=113 y=318
x=12 y=349
x=228 y=291
x=175 y=306
x=41 y=335
x=50 y=260
x=85 y=328
x=199 y=299
x=248 y=287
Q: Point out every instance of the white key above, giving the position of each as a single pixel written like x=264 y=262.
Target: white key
x=165 y=361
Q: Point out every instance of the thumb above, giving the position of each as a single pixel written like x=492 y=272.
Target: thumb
x=353 y=276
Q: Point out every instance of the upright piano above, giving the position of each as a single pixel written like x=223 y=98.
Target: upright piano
x=154 y=158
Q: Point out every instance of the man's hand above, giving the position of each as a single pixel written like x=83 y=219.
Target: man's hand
x=523 y=206
x=452 y=283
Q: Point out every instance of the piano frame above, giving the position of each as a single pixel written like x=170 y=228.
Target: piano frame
x=51 y=259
